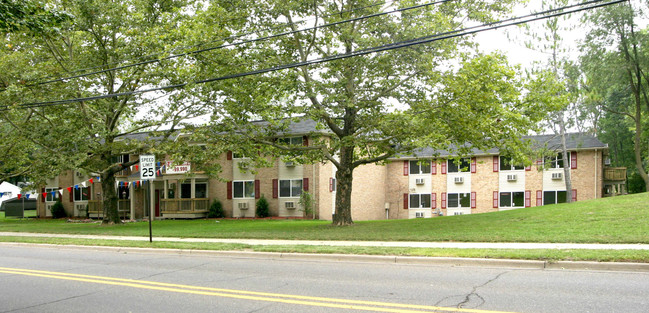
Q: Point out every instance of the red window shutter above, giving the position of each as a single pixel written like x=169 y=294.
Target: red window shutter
x=406 y=168
x=405 y=201
x=473 y=198
x=433 y=200
x=539 y=198
x=44 y=194
x=331 y=184
x=229 y=190
x=495 y=204
x=473 y=165
x=229 y=155
x=574 y=195
x=275 y=188
x=496 y=164
x=305 y=141
x=72 y=195
x=443 y=200
x=444 y=168
x=528 y=168
x=573 y=160
x=257 y=189
x=528 y=198
x=539 y=162
x=305 y=184
x=433 y=167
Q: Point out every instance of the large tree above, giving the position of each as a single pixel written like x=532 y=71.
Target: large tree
x=371 y=106
x=616 y=63
x=91 y=132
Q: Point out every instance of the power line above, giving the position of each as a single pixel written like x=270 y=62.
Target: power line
x=402 y=44
x=229 y=45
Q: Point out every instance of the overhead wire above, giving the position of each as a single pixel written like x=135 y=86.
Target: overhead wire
x=588 y=5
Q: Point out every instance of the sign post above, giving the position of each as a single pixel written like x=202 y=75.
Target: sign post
x=147 y=172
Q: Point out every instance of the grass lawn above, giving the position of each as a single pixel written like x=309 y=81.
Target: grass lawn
x=622 y=219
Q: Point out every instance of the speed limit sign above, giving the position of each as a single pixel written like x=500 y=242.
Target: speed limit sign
x=147 y=166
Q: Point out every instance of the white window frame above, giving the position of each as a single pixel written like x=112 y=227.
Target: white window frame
x=511 y=199
x=291 y=141
x=291 y=188
x=419 y=201
x=49 y=197
x=421 y=167
x=460 y=167
x=512 y=167
x=79 y=192
x=556 y=196
x=459 y=198
x=207 y=189
x=244 y=189
x=554 y=160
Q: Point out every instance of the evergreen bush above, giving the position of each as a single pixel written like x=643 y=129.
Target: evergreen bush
x=216 y=210
x=58 y=211
x=261 y=209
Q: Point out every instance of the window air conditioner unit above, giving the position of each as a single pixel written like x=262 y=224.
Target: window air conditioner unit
x=289 y=205
x=511 y=177
x=243 y=205
x=607 y=161
x=419 y=181
x=557 y=176
x=289 y=164
x=419 y=214
x=459 y=180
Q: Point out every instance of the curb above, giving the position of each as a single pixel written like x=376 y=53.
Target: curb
x=405 y=260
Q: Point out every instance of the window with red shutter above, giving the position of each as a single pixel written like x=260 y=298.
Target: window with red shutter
x=229 y=190
x=496 y=165
x=574 y=195
x=229 y=155
x=528 y=198
x=405 y=201
x=473 y=200
x=573 y=160
x=257 y=189
x=495 y=198
x=275 y=188
x=443 y=200
x=433 y=167
x=539 y=198
x=406 y=168
x=433 y=200
x=444 y=167
x=473 y=165
x=305 y=184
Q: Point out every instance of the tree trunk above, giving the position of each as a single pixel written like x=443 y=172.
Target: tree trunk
x=566 y=160
x=111 y=216
x=637 y=140
x=344 y=179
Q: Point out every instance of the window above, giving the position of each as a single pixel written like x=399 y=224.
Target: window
x=200 y=190
x=122 y=192
x=8 y=194
x=50 y=197
x=459 y=200
x=186 y=190
x=556 y=161
x=243 y=189
x=290 y=188
x=506 y=164
x=81 y=194
x=512 y=199
x=171 y=191
x=419 y=167
x=236 y=155
x=418 y=201
x=291 y=141
x=553 y=197
x=461 y=165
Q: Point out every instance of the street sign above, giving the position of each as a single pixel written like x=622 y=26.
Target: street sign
x=147 y=167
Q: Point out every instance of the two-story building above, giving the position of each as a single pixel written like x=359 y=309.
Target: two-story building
x=426 y=184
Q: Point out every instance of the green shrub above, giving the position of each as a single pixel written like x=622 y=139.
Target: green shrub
x=58 y=211
x=261 y=209
x=216 y=210
x=306 y=201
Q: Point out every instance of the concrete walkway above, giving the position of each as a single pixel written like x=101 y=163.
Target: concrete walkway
x=406 y=244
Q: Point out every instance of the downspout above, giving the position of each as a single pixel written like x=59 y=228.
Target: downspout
x=596 y=172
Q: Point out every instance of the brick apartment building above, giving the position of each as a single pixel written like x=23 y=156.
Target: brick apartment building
x=426 y=184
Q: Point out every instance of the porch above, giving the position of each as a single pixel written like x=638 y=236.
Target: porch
x=184 y=208
x=96 y=209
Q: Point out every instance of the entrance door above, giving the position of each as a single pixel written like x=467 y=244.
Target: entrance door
x=157 y=203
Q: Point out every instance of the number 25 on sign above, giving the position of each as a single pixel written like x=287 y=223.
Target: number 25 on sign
x=147 y=165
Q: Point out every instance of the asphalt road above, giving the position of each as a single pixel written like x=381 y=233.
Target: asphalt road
x=36 y=279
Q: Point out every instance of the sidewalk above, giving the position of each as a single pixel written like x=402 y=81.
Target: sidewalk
x=411 y=244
